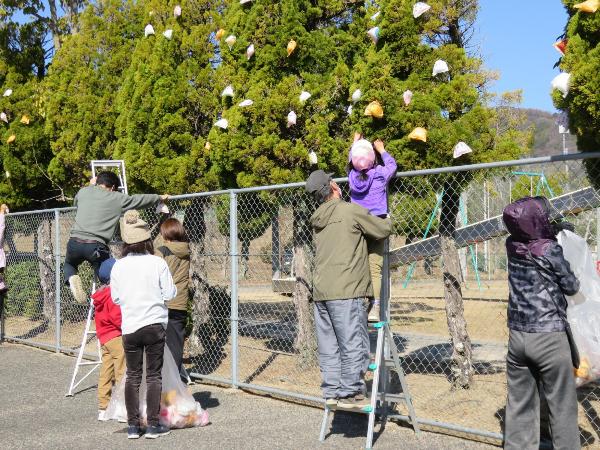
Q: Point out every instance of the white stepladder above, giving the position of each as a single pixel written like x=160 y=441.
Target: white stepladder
x=80 y=362
x=119 y=165
x=386 y=358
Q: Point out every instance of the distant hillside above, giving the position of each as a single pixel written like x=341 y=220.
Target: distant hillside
x=547 y=140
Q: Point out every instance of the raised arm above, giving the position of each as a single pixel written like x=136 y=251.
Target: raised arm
x=389 y=163
x=138 y=201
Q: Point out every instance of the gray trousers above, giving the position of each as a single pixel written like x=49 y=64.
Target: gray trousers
x=343 y=341
x=535 y=362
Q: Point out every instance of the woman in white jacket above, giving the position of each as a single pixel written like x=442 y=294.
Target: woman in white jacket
x=141 y=284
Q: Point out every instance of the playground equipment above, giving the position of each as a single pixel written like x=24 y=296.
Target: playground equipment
x=571 y=203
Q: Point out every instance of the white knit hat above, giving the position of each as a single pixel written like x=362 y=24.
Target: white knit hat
x=134 y=229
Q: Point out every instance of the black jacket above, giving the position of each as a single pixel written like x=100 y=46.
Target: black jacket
x=539 y=277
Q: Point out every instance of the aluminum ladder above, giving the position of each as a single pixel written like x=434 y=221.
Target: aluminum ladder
x=379 y=399
x=80 y=354
x=386 y=358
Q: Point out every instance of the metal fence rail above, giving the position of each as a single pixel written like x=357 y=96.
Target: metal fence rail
x=251 y=261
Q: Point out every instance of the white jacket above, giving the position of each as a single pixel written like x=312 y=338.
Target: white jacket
x=140 y=285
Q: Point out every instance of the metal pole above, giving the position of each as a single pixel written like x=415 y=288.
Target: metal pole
x=233 y=254
x=57 y=276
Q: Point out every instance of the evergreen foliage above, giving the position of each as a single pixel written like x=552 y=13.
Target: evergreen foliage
x=582 y=61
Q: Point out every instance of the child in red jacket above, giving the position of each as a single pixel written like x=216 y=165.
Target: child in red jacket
x=108 y=331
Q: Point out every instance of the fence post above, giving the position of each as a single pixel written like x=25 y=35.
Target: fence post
x=57 y=287
x=233 y=254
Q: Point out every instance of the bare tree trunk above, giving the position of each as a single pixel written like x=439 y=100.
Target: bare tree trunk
x=461 y=365
x=46 y=268
x=305 y=342
x=54 y=25
x=199 y=289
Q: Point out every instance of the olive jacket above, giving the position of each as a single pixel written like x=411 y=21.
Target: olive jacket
x=177 y=256
x=341 y=262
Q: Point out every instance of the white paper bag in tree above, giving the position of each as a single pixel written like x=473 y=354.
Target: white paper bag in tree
x=227 y=92
x=149 y=30
x=245 y=103
x=177 y=11
x=3 y=117
x=407 y=97
x=222 y=123
x=420 y=8
x=374 y=34
x=168 y=34
x=375 y=16
x=304 y=95
x=291 y=119
x=356 y=95
x=440 y=66
x=250 y=51
x=312 y=158
x=461 y=149
x=562 y=82
x=230 y=41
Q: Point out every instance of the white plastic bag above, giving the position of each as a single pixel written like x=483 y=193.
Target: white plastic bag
x=583 y=312
x=178 y=409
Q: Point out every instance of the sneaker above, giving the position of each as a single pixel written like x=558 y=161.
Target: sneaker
x=102 y=415
x=133 y=432
x=374 y=313
x=331 y=402
x=355 y=403
x=156 y=431
x=77 y=289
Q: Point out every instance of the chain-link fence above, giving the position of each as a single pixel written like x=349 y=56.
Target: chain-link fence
x=252 y=254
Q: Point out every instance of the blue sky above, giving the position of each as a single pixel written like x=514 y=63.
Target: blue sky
x=516 y=38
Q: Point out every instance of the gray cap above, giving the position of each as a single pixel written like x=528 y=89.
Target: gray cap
x=317 y=182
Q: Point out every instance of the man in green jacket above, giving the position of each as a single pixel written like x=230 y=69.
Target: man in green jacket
x=341 y=289
x=99 y=207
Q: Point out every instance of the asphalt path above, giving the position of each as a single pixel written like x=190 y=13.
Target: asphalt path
x=35 y=414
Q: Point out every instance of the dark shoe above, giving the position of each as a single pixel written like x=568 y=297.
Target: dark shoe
x=156 y=431
x=133 y=432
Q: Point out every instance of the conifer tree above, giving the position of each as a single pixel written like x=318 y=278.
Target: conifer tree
x=452 y=107
x=163 y=119
x=81 y=88
x=582 y=62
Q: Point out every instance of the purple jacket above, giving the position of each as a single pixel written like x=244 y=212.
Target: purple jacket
x=539 y=276
x=369 y=189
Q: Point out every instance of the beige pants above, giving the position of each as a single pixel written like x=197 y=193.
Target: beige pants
x=375 y=249
x=111 y=371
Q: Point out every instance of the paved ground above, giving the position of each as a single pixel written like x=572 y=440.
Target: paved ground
x=34 y=413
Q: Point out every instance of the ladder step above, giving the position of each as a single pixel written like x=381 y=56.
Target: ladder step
x=90 y=363
x=364 y=410
x=395 y=398
x=377 y=325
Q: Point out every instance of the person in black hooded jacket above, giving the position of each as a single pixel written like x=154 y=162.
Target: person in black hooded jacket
x=539 y=355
